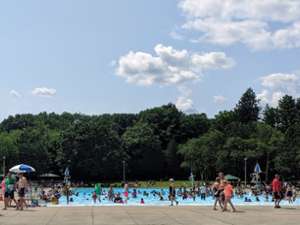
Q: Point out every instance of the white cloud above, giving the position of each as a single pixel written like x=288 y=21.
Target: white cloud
x=288 y=37
x=169 y=66
x=269 y=97
x=15 y=94
x=249 y=22
x=213 y=60
x=44 y=91
x=270 y=10
x=279 y=80
x=184 y=103
x=263 y=96
x=139 y=68
x=172 y=67
x=276 y=85
x=276 y=96
x=219 y=99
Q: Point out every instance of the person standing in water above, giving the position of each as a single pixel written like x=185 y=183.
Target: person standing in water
x=172 y=192
x=294 y=193
x=276 y=188
x=67 y=192
x=111 y=194
x=98 y=191
x=94 y=196
x=289 y=194
x=126 y=193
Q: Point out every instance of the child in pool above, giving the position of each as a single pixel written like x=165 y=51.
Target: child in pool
x=94 y=197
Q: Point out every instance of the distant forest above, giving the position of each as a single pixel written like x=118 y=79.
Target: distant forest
x=159 y=143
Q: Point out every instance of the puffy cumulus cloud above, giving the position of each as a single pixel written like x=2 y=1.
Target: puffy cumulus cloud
x=171 y=56
x=213 y=60
x=271 y=10
x=279 y=80
x=276 y=96
x=185 y=102
x=269 y=97
x=15 y=94
x=220 y=99
x=276 y=85
x=169 y=66
x=263 y=96
x=288 y=37
x=44 y=92
x=229 y=32
x=249 y=22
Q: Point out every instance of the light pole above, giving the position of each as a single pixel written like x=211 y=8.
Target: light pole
x=124 y=172
x=245 y=171
x=4 y=159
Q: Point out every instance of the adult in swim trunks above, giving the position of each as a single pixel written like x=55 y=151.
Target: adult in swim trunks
x=276 y=188
x=172 y=192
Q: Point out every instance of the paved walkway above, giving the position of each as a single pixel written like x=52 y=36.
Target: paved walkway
x=149 y=216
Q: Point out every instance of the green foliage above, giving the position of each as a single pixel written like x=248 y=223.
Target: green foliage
x=269 y=143
x=287 y=112
x=9 y=147
x=143 y=150
x=158 y=143
x=247 y=109
x=271 y=116
x=200 y=154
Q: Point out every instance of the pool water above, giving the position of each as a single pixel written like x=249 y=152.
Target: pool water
x=83 y=197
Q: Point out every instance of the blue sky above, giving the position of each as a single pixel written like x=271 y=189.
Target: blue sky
x=75 y=55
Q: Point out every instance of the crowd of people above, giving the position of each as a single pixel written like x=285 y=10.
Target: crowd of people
x=221 y=190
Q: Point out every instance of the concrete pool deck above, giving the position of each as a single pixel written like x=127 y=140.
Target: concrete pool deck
x=183 y=215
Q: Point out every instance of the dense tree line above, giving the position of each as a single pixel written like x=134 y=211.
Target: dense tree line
x=158 y=143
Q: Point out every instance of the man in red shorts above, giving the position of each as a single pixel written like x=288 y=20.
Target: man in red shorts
x=276 y=187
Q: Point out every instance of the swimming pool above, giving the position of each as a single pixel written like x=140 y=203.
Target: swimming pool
x=83 y=197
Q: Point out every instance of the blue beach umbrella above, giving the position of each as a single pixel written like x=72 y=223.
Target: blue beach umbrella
x=257 y=168
x=22 y=168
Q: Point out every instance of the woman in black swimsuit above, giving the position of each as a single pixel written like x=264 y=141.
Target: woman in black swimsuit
x=217 y=194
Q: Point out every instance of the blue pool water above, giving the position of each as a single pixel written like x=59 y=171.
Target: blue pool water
x=84 y=198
